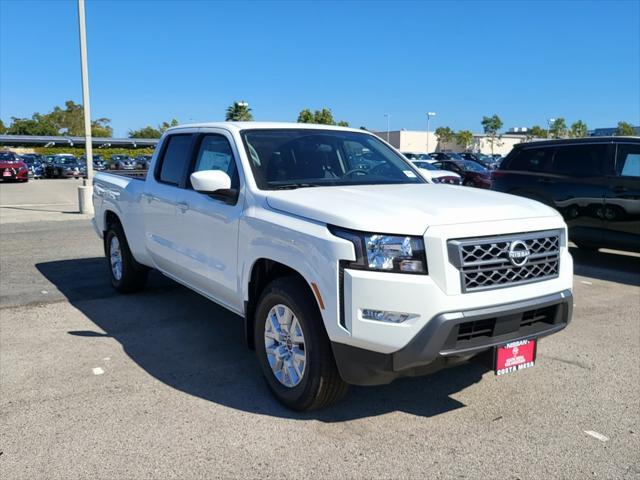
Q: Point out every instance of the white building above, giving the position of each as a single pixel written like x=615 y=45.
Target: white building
x=416 y=141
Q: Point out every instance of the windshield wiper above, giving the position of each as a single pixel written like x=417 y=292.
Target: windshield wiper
x=292 y=186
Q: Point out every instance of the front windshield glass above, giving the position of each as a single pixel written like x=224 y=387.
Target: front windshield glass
x=291 y=158
x=67 y=160
x=424 y=165
x=469 y=166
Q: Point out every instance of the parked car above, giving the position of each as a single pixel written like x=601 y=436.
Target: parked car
x=142 y=162
x=416 y=155
x=62 y=165
x=435 y=174
x=473 y=174
x=12 y=168
x=593 y=182
x=99 y=163
x=341 y=274
x=122 y=162
x=35 y=164
x=486 y=161
x=446 y=156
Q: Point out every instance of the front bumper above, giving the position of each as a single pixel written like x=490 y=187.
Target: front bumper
x=452 y=338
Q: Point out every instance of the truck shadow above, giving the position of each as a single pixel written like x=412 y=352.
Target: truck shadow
x=195 y=346
x=609 y=266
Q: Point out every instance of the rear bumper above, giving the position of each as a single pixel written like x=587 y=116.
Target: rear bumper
x=452 y=338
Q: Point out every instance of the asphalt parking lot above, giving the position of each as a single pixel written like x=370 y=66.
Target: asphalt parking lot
x=159 y=384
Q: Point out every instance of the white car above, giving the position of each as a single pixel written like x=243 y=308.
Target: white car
x=345 y=265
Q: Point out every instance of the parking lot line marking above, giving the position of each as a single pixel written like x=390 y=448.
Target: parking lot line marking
x=599 y=436
x=586 y=282
x=98 y=371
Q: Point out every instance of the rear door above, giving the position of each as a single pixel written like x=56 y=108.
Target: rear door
x=159 y=201
x=622 y=200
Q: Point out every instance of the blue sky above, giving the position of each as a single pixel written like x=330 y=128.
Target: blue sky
x=151 y=61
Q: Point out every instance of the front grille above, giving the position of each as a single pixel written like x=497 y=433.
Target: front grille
x=492 y=262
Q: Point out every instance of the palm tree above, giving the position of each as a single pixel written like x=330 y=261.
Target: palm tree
x=239 y=112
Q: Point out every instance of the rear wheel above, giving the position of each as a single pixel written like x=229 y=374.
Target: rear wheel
x=127 y=275
x=293 y=349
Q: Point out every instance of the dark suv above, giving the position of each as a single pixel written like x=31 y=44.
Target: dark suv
x=593 y=182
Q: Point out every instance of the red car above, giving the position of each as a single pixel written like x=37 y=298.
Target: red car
x=12 y=168
x=472 y=173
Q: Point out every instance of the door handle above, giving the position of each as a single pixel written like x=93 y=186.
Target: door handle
x=149 y=197
x=545 y=180
x=183 y=206
x=619 y=189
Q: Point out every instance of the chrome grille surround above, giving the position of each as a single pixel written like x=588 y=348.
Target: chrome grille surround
x=484 y=262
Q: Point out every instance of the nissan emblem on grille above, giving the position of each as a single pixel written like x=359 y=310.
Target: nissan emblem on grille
x=487 y=263
x=518 y=253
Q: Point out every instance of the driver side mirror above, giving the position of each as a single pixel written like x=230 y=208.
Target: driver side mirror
x=215 y=183
x=210 y=181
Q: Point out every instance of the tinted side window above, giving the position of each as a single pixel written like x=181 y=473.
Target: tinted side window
x=215 y=154
x=176 y=155
x=628 y=160
x=580 y=160
x=531 y=160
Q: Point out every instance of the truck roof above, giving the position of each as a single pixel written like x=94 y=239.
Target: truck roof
x=262 y=125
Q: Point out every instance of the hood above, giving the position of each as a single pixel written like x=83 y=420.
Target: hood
x=404 y=209
x=15 y=165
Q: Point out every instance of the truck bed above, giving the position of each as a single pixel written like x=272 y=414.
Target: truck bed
x=135 y=174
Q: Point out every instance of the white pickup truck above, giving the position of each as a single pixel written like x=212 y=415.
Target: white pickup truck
x=346 y=265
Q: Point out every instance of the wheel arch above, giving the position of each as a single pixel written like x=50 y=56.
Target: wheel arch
x=263 y=271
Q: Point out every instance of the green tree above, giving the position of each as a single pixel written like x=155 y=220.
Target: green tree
x=35 y=125
x=239 y=112
x=444 y=135
x=537 y=132
x=306 y=116
x=3 y=129
x=558 y=128
x=578 y=129
x=164 y=126
x=145 y=132
x=321 y=117
x=151 y=132
x=626 y=129
x=464 y=138
x=491 y=126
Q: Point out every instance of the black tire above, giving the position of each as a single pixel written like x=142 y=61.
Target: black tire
x=469 y=183
x=321 y=384
x=134 y=275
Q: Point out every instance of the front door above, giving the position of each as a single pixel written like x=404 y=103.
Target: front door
x=207 y=225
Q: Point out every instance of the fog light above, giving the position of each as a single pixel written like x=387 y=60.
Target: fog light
x=386 y=316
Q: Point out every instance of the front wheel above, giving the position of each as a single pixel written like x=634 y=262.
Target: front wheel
x=127 y=275
x=293 y=348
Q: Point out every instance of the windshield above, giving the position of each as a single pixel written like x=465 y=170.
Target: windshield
x=469 y=166
x=291 y=158
x=424 y=165
x=7 y=157
x=67 y=160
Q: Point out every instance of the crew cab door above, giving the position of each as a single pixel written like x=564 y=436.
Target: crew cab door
x=622 y=200
x=159 y=201
x=207 y=225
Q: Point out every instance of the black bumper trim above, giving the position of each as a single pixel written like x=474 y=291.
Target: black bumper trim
x=431 y=349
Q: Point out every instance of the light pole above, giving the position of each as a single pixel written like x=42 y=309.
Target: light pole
x=388 y=120
x=549 y=122
x=429 y=115
x=85 y=192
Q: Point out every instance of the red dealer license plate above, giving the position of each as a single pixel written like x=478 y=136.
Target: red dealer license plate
x=515 y=356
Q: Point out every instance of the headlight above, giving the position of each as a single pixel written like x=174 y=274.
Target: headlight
x=387 y=253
